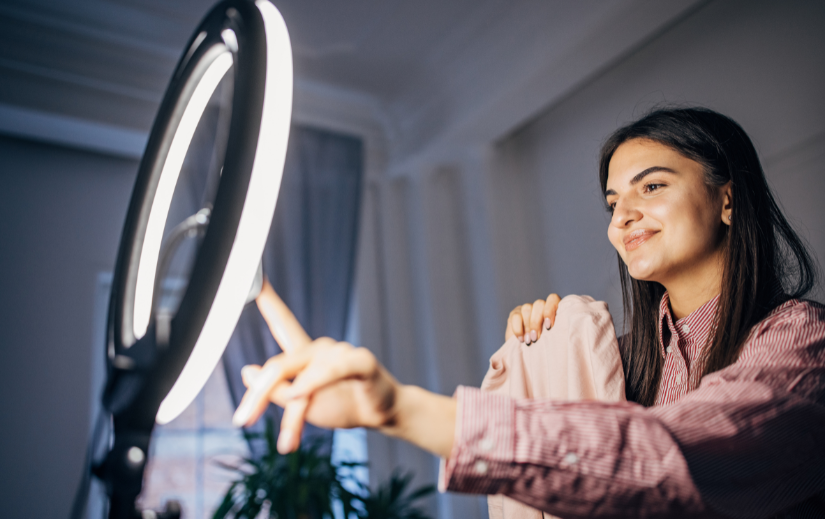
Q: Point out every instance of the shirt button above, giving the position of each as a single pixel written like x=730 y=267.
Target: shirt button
x=679 y=378
x=686 y=329
x=486 y=444
x=570 y=458
x=481 y=467
x=669 y=349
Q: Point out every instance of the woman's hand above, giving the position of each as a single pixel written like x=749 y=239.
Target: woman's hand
x=336 y=385
x=526 y=321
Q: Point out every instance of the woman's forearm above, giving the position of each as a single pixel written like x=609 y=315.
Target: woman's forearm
x=424 y=419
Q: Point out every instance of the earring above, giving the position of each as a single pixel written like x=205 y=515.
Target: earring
x=730 y=217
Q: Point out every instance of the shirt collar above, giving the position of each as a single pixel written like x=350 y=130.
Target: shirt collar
x=693 y=327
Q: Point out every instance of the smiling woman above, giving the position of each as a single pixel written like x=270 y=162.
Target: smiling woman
x=724 y=364
x=715 y=174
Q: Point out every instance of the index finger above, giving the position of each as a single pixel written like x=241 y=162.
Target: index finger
x=281 y=321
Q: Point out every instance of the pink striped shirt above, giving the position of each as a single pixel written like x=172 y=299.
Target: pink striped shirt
x=745 y=441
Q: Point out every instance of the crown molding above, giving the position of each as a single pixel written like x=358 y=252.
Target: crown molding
x=339 y=109
x=72 y=132
x=314 y=105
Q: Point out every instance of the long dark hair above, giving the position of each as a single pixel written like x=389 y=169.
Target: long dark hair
x=765 y=262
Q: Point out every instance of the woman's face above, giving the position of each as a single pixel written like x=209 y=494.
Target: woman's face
x=667 y=225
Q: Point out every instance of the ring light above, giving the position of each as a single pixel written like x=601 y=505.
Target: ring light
x=254 y=222
x=157 y=364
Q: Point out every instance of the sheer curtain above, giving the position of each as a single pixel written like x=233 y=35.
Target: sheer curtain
x=310 y=254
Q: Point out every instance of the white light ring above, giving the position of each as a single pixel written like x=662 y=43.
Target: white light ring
x=255 y=220
x=147 y=265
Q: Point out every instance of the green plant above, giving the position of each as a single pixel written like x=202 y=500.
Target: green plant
x=389 y=501
x=299 y=485
x=305 y=484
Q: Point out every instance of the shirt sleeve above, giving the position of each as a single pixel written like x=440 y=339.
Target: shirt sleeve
x=749 y=442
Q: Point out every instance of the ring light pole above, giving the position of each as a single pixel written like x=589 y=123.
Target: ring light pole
x=156 y=364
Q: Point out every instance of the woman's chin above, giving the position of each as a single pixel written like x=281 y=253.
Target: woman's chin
x=641 y=271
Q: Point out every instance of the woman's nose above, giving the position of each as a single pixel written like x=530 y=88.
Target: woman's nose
x=624 y=213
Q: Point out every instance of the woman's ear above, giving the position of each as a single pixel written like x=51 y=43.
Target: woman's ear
x=727 y=203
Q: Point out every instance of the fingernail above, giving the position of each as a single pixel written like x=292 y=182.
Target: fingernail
x=241 y=415
x=547 y=323
x=249 y=374
x=521 y=338
x=285 y=441
x=533 y=336
x=527 y=339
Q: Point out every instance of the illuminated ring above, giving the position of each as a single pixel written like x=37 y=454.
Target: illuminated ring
x=253 y=37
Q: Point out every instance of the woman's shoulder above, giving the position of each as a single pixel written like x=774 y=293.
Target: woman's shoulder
x=795 y=327
x=795 y=312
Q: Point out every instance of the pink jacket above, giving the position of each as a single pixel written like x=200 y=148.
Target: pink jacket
x=578 y=359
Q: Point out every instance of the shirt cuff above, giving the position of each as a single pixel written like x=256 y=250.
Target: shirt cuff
x=481 y=460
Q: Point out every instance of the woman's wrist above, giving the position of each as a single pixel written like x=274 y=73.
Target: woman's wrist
x=424 y=419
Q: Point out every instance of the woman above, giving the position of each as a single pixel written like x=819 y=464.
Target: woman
x=724 y=365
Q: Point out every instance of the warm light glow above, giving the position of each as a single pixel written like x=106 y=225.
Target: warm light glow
x=255 y=220
x=147 y=265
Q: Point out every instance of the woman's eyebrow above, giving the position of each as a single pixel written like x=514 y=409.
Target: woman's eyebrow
x=639 y=176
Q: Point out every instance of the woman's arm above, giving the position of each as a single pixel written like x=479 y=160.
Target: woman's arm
x=424 y=419
x=335 y=385
x=407 y=412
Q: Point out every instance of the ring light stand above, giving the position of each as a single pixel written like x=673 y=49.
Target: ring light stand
x=157 y=364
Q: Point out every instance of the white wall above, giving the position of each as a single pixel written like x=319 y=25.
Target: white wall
x=61 y=213
x=759 y=62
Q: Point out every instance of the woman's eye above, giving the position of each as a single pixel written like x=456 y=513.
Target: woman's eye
x=649 y=188
x=611 y=207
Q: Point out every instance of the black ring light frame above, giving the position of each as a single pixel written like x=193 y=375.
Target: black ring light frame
x=156 y=364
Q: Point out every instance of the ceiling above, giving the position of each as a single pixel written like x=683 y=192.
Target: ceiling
x=417 y=69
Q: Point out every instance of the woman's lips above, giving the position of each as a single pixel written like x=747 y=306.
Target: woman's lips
x=635 y=239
